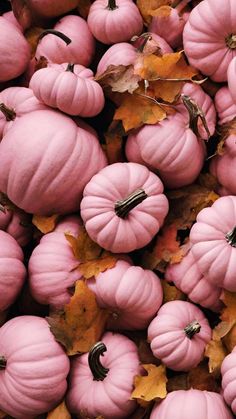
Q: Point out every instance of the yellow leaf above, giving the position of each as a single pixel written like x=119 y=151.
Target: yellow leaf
x=60 y=412
x=166 y=90
x=96 y=266
x=171 y=293
x=45 y=224
x=216 y=353
x=146 y=6
x=152 y=386
x=163 y=12
x=83 y=247
x=228 y=314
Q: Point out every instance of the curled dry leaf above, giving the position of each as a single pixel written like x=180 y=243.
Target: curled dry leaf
x=216 y=352
x=60 y=412
x=171 y=293
x=45 y=224
x=150 y=387
x=147 y=6
x=120 y=78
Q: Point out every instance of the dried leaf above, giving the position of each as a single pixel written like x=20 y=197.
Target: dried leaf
x=216 y=353
x=229 y=340
x=228 y=314
x=83 y=247
x=145 y=353
x=32 y=36
x=114 y=142
x=165 y=90
x=152 y=386
x=96 y=266
x=81 y=323
x=146 y=6
x=120 y=78
x=60 y=412
x=83 y=8
x=162 y=12
x=171 y=293
x=208 y=181
x=45 y=224
x=201 y=379
x=3 y=415
x=178 y=382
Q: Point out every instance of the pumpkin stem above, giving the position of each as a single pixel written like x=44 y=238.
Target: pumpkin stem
x=70 y=68
x=139 y=42
x=57 y=33
x=192 y=328
x=9 y=113
x=231 y=41
x=98 y=370
x=195 y=112
x=3 y=363
x=231 y=237
x=123 y=207
x=112 y=5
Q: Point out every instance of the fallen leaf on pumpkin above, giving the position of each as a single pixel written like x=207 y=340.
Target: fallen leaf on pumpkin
x=200 y=378
x=146 y=7
x=162 y=12
x=60 y=412
x=120 y=78
x=171 y=293
x=165 y=90
x=45 y=224
x=228 y=314
x=216 y=353
x=152 y=386
x=96 y=266
x=114 y=142
x=80 y=325
x=32 y=36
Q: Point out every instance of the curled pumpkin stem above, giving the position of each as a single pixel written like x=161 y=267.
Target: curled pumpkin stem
x=3 y=363
x=195 y=112
x=98 y=370
x=192 y=328
x=9 y=113
x=123 y=207
x=231 y=237
x=61 y=35
x=70 y=67
x=112 y=5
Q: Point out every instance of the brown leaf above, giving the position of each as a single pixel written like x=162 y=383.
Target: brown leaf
x=178 y=382
x=45 y=224
x=208 y=181
x=83 y=8
x=152 y=386
x=83 y=247
x=96 y=266
x=201 y=379
x=229 y=340
x=81 y=323
x=165 y=90
x=60 y=412
x=114 y=142
x=162 y=12
x=3 y=415
x=228 y=314
x=120 y=78
x=32 y=36
x=42 y=62
x=146 y=7
x=145 y=353
x=171 y=293
x=216 y=353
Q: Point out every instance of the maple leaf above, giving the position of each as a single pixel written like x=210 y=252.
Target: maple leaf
x=171 y=293
x=150 y=387
x=216 y=352
x=120 y=78
x=45 y=224
x=96 y=266
x=80 y=325
x=60 y=412
x=114 y=142
x=147 y=6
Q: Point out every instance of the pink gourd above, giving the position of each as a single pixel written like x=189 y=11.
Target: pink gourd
x=112 y=21
x=225 y=107
x=33 y=368
x=12 y=270
x=79 y=51
x=14 y=51
x=179 y=334
x=104 y=387
x=11 y=18
x=213 y=239
x=52 y=265
x=123 y=207
x=188 y=279
x=210 y=38
x=132 y=294
x=46 y=161
x=70 y=88
x=194 y=404
x=228 y=372
x=231 y=74
x=17 y=224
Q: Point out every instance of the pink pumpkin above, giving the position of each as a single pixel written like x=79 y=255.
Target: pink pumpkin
x=104 y=388
x=46 y=161
x=14 y=51
x=213 y=239
x=188 y=279
x=17 y=224
x=70 y=88
x=11 y=18
x=12 y=270
x=228 y=372
x=132 y=294
x=52 y=265
x=14 y=103
x=112 y=21
x=123 y=207
x=178 y=335
x=231 y=74
x=209 y=37
x=79 y=51
x=33 y=368
x=225 y=107
x=191 y=404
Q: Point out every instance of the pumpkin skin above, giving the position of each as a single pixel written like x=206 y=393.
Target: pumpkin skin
x=11 y=18
x=188 y=279
x=211 y=236
x=169 y=341
x=132 y=294
x=12 y=270
x=205 y=36
x=110 y=397
x=194 y=404
x=114 y=183
x=79 y=51
x=225 y=107
x=63 y=158
x=13 y=44
x=34 y=380
x=17 y=224
x=71 y=89
x=112 y=21
x=228 y=379
x=231 y=74
x=52 y=265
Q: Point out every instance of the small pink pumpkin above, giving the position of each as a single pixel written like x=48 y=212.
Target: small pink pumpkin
x=11 y=18
x=188 y=279
x=178 y=335
x=104 y=388
x=123 y=207
x=79 y=51
x=191 y=404
x=112 y=21
x=228 y=372
x=213 y=239
x=231 y=74
x=132 y=294
x=68 y=87
x=33 y=368
x=12 y=270
x=225 y=107
x=46 y=161
x=18 y=224
x=210 y=37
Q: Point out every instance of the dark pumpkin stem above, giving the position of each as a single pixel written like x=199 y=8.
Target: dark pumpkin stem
x=192 y=328
x=98 y=370
x=57 y=33
x=122 y=208
x=70 y=67
x=231 y=237
x=195 y=112
x=9 y=113
x=3 y=363
x=231 y=41
x=112 y=5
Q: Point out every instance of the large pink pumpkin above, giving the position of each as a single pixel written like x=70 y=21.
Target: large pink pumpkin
x=14 y=51
x=52 y=265
x=12 y=270
x=231 y=74
x=17 y=224
x=225 y=107
x=187 y=278
x=210 y=37
x=132 y=294
x=213 y=239
x=123 y=207
x=191 y=404
x=228 y=372
x=11 y=18
x=70 y=88
x=79 y=51
x=33 y=368
x=46 y=161
x=179 y=334
x=43 y=8
x=104 y=388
